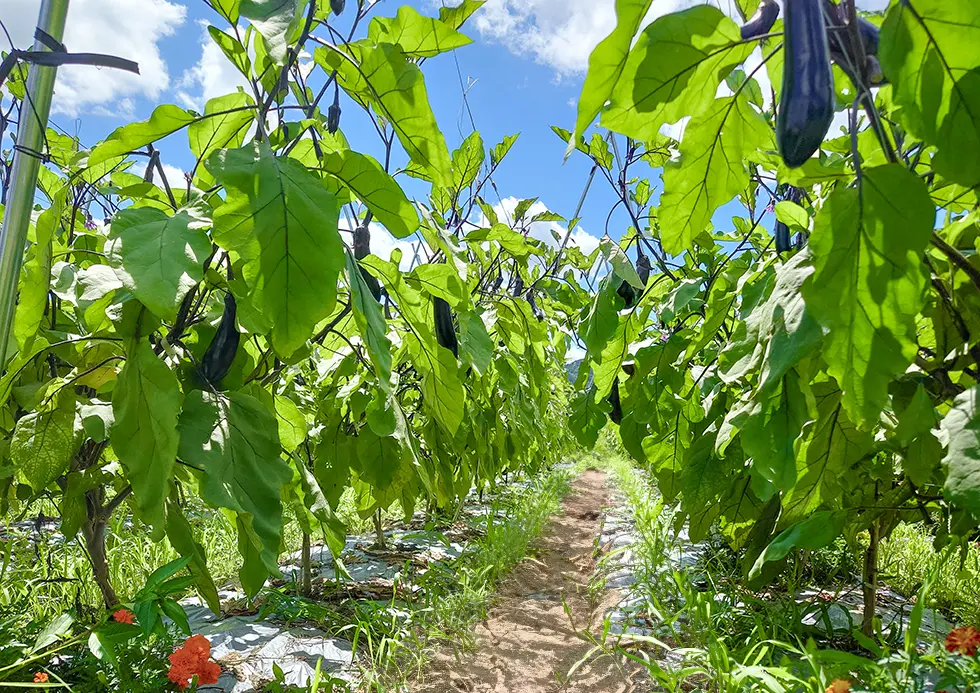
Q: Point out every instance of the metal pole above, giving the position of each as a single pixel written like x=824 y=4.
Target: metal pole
x=23 y=176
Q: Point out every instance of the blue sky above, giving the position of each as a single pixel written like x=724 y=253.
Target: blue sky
x=525 y=68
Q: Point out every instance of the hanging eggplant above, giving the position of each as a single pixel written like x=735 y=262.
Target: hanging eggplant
x=643 y=266
x=627 y=293
x=616 y=415
x=337 y=6
x=495 y=287
x=761 y=22
x=535 y=309
x=806 y=106
x=223 y=347
x=362 y=248
x=783 y=241
x=445 y=329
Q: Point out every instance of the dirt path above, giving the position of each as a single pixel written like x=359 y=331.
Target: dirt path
x=529 y=642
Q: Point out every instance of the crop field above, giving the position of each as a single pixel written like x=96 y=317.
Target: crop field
x=305 y=387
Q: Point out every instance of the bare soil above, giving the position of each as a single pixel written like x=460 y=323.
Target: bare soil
x=536 y=632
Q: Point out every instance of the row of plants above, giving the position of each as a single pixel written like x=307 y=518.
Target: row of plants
x=788 y=338
x=228 y=343
x=708 y=632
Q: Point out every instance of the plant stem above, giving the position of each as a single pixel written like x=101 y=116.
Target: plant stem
x=870 y=583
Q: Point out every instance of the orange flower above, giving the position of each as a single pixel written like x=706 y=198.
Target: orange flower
x=124 y=616
x=192 y=659
x=839 y=686
x=40 y=677
x=964 y=641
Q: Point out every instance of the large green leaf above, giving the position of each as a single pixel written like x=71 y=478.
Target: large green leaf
x=395 y=88
x=467 y=161
x=587 y=417
x=869 y=282
x=373 y=186
x=225 y=123
x=370 y=321
x=457 y=15
x=163 y=121
x=929 y=54
x=815 y=532
x=442 y=390
x=234 y=440
x=712 y=169
x=274 y=20
x=145 y=405
x=703 y=479
x=283 y=222
x=834 y=446
x=770 y=428
x=674 y=70
x=778 y=332
x=417 y=36
x=961 y=434
x=600 y=319
x=383 y=465
x=157 y=257
x=606 y=65
x=43 y=443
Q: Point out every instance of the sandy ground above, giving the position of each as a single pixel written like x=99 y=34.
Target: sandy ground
x=535 y=633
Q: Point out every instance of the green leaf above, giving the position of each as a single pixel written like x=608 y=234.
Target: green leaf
x=815 y=532
x=835 y=446
x=929 y=54
x=442 y=281
x=158 y=258
x=283 y=222
x=620 y=262
x=292 y=423
x=475 y=344
x=181 y=537
x=224 y=126
x=601 y=318
x=778 y=333
x=370 y=321
x=164 y=121
x=456 y=16
x=442 y=390
x=383 y=465
x=792 y=214
x=606 y=65
x=145 y=404
x=770 y=428
x=233 y=439
x=587 y=417
x=711 y=171
x=396 y=90
x=501 y=150
x=703 y=479
x=467 y=161
x=229 y=9
x=869 y=282
x=960 y=432
x=674 y=70
x=372 y=185
x=273 y=19
x=417 y=36
x=43 y=443
x=36 y=276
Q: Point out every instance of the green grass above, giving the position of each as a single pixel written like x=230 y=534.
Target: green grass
x=399 y=645
x=908 y=555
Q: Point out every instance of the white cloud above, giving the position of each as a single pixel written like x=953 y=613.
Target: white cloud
x=562 y=33
x=175 y=176
x=542 y=230
x=128 y=29
x=213 y=75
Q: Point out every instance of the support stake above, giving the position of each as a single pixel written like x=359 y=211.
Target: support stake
x=23 y=176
